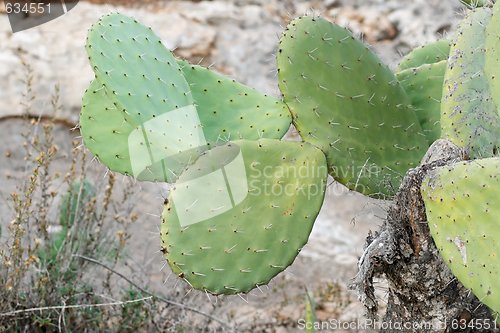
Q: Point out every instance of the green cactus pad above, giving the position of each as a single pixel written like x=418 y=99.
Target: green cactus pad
x=349 y=104
x=142 y=81
x=463 y=214
x=492 y=61
x=242 y=212
x=469 y=117
x=229 y=110
x=424 y=86
x=426 y=54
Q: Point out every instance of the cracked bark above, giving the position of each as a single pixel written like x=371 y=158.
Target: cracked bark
x=422 y=289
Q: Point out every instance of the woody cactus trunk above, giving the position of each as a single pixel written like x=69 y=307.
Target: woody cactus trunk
x=244 y=200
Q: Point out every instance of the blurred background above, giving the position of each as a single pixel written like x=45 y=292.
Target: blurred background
x=58 y=205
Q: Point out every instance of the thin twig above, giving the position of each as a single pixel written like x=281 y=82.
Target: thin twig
x=75 y=306
x=160 y=298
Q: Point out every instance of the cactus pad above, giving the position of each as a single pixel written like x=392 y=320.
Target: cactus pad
x=241 y=213
x=424 y=86
x=426 y=54
x=462 y=211
x=142 y=81
x=469 y=117
x=345 y=101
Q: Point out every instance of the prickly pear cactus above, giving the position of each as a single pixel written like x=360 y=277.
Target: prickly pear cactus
x=427 y=54
x=462 y=208
x=243 y=204
x=149 y=115
x=349 y=104
x=242 y=212
x=424 y=86
x=469 y=116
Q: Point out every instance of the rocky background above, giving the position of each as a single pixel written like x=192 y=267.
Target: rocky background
x=237 y=38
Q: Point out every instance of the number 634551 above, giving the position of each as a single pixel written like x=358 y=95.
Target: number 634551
x=27 y=8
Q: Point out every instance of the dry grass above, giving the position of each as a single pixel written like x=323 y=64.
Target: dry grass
x=55 y=217
x=68 y=233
